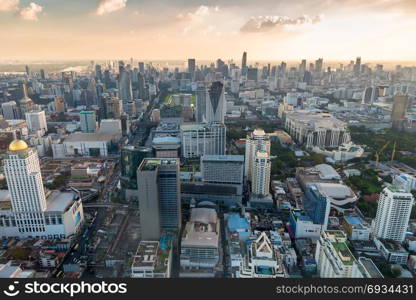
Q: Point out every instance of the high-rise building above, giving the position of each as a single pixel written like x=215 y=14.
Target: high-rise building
x=88 y=121
x=398 y=114
x=244 y=64
x=33 y=212
x=125 y=87
x=142 y=86
x=191 y=66
x=357 y=66
x=59 y=105
x=201 y=103
x=36 y=121
x=113 y=108
x=370 y=95
x=302 y=66
x=256 y=141
x=260 y=178
x=317 y=205
x=203 y=139
x=228 y=169
x=159 y=197
x=131 y=158
x=393 y=214
x=215 y=103
x=319 y=65
x=334 y=258
x=10 y=110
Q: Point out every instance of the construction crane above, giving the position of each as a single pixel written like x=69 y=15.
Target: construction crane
x=393 y=154
x=380 y=152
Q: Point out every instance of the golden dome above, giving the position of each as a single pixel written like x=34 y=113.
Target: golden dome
x=18 y=145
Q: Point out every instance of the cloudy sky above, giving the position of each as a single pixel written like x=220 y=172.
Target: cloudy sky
x=208 y=29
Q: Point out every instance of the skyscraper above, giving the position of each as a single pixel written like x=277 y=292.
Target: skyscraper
x=244 y=64
x=319 y=64
x=125 y=87
x=398 y=114
x=88 y=121
x=191 y=66
x=36 y=121
x=393 y=214
x=159 y=196
x=33 y=212
x=357 y=66
x=215 y=103
x=256 y=141
x=260 y=179
x=201 y=103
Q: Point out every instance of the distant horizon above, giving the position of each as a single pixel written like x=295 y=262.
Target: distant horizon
x=337 y=30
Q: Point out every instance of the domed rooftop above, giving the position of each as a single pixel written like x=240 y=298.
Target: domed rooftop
x=18 y=145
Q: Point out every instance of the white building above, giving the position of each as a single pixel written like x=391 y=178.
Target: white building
x=84 y=144
x=29 y=211
x=405 y=181
x=334 y=258
x=151 y=261
x=203 y=139
x=262 y=260
x=260 y=180
x=255 y=141
x=200 y=244
x=393 y=214
x=316 y=129
x=36 y=121
x=110 y=126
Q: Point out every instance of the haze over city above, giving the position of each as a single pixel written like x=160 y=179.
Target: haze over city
x=268 y=30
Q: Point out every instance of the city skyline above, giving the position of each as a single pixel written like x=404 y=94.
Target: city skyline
x=334 y=29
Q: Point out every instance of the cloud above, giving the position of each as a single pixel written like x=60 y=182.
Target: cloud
x=109 y=6
x=199 y=13
x=30 y=13
x=8 y=5
x=267 y=23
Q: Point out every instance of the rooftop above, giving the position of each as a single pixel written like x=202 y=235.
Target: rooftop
x=235 y=158
x=89 y=137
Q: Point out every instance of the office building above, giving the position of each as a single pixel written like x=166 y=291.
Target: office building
x=228 y=169
x=203 y=139
x=88 y=121
x=159 y=197
x=244 y=64
x=215 y=103
x=30 y=211
x=125 y=86
x=131 y=158
x=256 y=141
x=398 y=114
x=36 y=121
x=191 y=66
x=201 y=103
x=59 y=105
x=10 y=110
x=393 y=214
x=317 y=205
x=334 y=258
